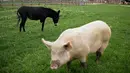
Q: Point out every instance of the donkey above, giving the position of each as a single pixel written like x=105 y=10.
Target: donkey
x=36 y=13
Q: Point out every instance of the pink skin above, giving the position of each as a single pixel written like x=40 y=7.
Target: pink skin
x=54 y=66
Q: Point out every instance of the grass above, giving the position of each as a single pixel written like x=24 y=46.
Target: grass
x=23 y=52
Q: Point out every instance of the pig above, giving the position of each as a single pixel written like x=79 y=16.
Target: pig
x=77 y=43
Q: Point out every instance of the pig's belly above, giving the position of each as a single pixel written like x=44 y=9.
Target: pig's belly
x=95 y=46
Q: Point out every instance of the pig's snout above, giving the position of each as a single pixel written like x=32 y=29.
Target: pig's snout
x=55 y=64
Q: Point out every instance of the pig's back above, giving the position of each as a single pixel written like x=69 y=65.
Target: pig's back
x=89 y=33
x=92 y=26
x=94 y=34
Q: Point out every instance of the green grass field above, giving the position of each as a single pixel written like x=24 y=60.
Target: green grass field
x=23 y=52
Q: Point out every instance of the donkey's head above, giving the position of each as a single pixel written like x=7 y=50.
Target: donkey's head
x=56 y=17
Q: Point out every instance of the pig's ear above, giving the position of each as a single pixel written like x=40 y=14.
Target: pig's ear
x=68 y=45
x=47 y=43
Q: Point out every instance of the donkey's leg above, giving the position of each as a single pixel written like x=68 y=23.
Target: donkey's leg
x=20 y=27
x=42 y=26
x=24 y=21
x=42 y=21
x=24 y=18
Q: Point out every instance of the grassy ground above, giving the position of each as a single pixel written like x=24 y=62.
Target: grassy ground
x=24 y=52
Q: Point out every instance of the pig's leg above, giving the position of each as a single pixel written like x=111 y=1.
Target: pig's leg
x=98 y=55
x=68 y=66
x=100 y=51
x=83 y=62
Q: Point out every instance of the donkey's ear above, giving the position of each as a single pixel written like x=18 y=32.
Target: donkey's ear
x=58 y=11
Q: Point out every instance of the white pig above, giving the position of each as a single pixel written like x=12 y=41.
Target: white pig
x=77 y=43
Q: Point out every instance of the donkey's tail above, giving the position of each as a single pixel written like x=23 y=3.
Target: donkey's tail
x=18 y=17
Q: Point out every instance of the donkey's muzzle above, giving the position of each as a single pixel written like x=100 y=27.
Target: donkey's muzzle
x=55 y=24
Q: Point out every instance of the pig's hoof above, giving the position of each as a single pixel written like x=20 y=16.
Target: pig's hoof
x=83 y=65
x=97 y=61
